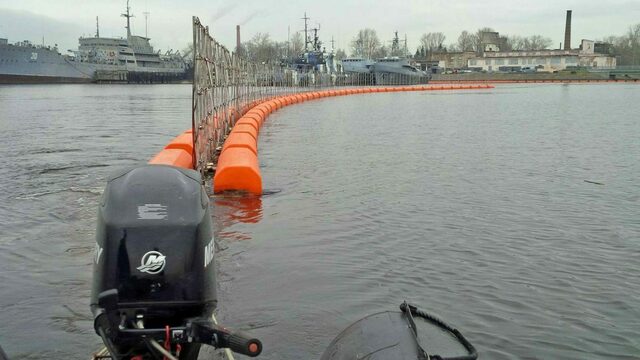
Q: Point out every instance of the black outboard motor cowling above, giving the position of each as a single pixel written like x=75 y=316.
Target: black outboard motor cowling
x=153 y=261
x=154 y=241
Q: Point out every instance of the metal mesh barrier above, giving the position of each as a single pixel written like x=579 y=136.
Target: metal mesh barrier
x=225 y=86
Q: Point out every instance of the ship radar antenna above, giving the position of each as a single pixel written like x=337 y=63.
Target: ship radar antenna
x=128 y=16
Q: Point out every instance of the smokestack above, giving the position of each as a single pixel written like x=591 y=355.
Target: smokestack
x=567 y=32
x=238 y=39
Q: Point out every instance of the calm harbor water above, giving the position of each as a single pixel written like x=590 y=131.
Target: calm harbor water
x=475 y=205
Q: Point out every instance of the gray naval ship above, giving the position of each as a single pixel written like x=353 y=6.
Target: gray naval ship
x=130 y=59
x=393 y=70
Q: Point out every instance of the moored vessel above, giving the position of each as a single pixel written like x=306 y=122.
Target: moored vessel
x=24 y=62
x=98 y=59
x=396 y=71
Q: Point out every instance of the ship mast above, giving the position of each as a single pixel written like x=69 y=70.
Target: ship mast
x=395 y=44
x=306 y=38
x=128 y=16
x=317 y=44
x=146 y=23
x=406 y=48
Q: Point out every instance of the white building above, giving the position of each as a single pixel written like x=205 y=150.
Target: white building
x=544 y=60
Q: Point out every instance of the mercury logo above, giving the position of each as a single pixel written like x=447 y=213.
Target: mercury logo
x=152 y=262
x=97 y=253
x=209 y=252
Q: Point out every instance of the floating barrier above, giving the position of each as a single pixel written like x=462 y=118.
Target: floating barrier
x=238 y=169
x=241 y=140
x=175 y=157
x=183 y=141
x=238 y=166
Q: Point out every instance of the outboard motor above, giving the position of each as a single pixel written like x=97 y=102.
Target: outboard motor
x=154 y=276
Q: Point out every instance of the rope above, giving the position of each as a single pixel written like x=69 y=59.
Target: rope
x=413 y=310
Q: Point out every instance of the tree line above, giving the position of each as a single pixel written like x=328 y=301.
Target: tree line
x=626 y=47
x=366 y=43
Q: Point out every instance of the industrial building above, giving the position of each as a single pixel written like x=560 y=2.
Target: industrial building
x=590 y=55
x=545 y=60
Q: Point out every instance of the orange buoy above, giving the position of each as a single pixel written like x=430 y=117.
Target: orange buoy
x=240 y=139
x=249 y=121
x=175 y=157
x=254 y=116
x=246 y=128
x=238 y=169
x=183 y=141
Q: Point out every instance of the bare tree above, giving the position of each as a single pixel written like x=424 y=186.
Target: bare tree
x=516 y=42
x=466 y=41
x=432 y=42
x=366 y=44
x=261 y=49
x=633 y=36
x=381 y=52
x=341 y=54
x=537 y=42
x=297 y=44
x=626 y=47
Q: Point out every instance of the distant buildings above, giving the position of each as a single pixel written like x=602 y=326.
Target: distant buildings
x=446 y=60
x=589 y=55
x=490 y=58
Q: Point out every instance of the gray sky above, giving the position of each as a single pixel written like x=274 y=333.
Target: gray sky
x=63 y=21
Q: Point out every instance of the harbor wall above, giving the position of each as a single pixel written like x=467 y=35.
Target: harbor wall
x=36 y=79
x=562 y=77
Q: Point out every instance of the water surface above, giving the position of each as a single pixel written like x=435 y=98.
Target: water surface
x=472 y=204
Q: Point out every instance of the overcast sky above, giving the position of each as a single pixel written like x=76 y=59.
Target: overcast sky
x=169 y=23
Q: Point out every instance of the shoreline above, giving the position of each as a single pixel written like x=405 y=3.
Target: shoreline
x=534 y=78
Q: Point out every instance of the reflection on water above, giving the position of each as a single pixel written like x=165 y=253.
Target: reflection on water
x=59 y=143
x=233 y=208
x=240 y=208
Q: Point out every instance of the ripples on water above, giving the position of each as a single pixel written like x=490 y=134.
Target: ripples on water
x=59 y=142
x=473 y=205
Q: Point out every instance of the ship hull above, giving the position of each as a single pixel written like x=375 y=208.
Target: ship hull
x=390 y=78
x=27 y=64
x=40 y=79
x=36 y=65
x=398 y=72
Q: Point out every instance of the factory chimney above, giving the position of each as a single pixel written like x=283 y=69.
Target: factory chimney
x=567 y=32
x=238 y=44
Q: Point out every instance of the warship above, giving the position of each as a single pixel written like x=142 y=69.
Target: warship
x=392 y=70
x=98 y=59
x=397 y=68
